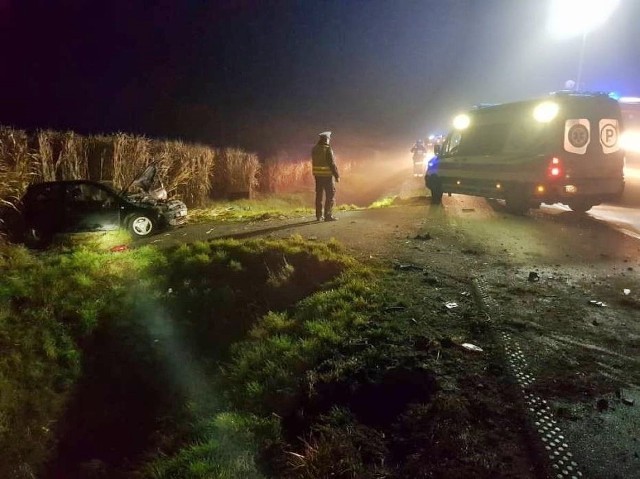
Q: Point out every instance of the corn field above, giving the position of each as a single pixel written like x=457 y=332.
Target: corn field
x=193 y=173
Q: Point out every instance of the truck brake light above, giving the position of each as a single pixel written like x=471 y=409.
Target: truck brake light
x=555 y=168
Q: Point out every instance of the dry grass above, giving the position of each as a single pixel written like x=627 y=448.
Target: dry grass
x=16 y=164
x=186 y=168
x=100 y=154
x=281 y=174
x=45 y=160
x=130 y=156
x=235 y=172
x=73 y=162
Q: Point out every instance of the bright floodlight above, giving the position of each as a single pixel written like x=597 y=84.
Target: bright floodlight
x=630 y=141
x=629 y=99
x=545 y=111
x=461 y=122
x=570 y=18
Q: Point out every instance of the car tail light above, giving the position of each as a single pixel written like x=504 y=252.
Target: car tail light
x=555 y=169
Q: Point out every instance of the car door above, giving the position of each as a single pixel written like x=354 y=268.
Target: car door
x=43 y=208
x=91 y=207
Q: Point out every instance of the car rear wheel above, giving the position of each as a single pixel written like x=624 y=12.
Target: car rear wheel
x=140 y=225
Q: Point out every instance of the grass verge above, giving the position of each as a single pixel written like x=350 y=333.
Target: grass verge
x=266 y=207
x=262 y=358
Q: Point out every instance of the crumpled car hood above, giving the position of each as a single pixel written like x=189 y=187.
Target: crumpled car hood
x=144 y=182
x=145 y=179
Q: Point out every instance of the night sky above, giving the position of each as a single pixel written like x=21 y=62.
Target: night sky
x=268 y=75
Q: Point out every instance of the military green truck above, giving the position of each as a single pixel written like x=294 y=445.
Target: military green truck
x=563 y=148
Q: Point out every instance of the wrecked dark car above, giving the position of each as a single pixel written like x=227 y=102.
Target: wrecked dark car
x=75 y=206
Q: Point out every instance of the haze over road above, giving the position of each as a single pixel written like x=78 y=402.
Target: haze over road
x=623 y=216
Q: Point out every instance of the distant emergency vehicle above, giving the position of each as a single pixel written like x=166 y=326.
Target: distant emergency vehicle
x=563 y=148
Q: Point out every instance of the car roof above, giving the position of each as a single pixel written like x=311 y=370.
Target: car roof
x=65 y=183
x=43 y=184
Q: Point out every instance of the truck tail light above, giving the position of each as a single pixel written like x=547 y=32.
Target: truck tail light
x=555 y=169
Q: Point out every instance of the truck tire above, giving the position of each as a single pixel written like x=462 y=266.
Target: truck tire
x=581 y=206
x=435 y=185
x=517 y=204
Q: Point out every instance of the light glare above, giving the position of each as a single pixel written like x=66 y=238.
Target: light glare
x=461 y=122
x=629 y=99
x=630 y=141
x=570 y=18
x=546 y=111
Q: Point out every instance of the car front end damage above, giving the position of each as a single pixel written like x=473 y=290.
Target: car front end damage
x=174 y=213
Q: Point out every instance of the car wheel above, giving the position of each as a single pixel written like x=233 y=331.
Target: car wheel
x=140 y=225
x=36 y=238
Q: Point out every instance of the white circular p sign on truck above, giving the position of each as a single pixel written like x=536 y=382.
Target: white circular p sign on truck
x=609 y=135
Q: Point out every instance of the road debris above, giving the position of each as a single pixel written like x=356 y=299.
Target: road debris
x=628 y=401
x=424 y=237
x=468 y=210
x=451 y=305
x=119 y=249
x=394 y=309
x=599 y=304
x=626 y=292
x=533 y=277
x=432 y=280
x=209 y=231
x=408 y=267
x=472 y=347
x=602 y=405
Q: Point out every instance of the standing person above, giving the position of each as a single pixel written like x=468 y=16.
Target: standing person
x=324 y=171
x=419 y=151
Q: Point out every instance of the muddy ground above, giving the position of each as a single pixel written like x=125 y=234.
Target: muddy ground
x=560 y=291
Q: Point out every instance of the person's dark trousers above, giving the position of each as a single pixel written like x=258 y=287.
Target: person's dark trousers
x=326 y=187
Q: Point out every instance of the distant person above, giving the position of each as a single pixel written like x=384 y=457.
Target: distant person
x=324 y=171
x=419 y=151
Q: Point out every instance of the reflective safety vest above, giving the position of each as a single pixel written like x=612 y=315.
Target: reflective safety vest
x=322 y=160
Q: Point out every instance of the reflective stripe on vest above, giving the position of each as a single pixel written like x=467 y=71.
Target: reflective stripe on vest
x=320 y=162
x=322 y=171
